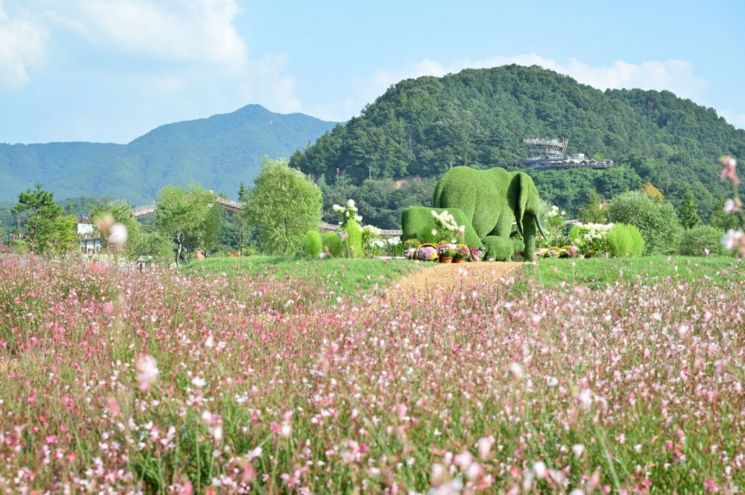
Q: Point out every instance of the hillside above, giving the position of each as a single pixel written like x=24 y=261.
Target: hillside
x=216 y=152
x=421 y=127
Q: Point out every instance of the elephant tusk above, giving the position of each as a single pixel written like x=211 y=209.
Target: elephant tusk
x=540 y=228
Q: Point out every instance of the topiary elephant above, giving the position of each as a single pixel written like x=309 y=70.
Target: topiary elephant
x=492 y=199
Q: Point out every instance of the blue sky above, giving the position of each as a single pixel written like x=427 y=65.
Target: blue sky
x=110 y=70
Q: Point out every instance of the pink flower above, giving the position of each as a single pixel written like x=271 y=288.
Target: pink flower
x=728 y=172
x=147 y=371
x=108 y=308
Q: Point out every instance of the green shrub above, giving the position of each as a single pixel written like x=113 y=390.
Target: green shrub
x=332 y=244
x=155 y=244
x=625 y=240
x=657 y=222
x=498 y=248
x=354 y=239
x=283 y=205
x=696 y=241
x=313 y=245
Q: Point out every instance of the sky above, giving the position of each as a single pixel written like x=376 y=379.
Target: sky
x=110 y=70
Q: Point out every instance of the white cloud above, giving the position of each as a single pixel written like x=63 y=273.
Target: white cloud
x=675 y=75
x=22 y=46
x=186 y=30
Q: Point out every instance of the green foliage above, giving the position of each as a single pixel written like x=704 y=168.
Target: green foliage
x=625 y=240
x=552 y=220
x=702 y=240
x=184 y=214
x=380 y=202
x=590 y=238
x=313 y=245
x=283 y=206
x=422 y=127
x=498 y=248
x=45 y=226
x=155 y=244
x=332 y=244
x=121 y=212
x=215 y=152
x=723 y=220
x=354 y=246
x=657 y=222
x=595 y=211
x=687 y=212
x=418 y=223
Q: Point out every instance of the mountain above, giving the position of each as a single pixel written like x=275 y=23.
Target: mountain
x=421 y=127
x=216 y=152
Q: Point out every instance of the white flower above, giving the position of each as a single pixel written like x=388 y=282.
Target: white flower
x=578 y=449
x=539 y=468
x=198 y=382
x=337 y=208
x=730 y=206
x=147 y=371
x=552 y=381
x=118 y=234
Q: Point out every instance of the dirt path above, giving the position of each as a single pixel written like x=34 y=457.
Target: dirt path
x=450 y=276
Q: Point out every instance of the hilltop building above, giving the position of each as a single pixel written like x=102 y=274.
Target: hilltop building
x=546 y=153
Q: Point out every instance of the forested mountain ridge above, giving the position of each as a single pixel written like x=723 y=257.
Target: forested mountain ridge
x=217 y=152
x=479 y=117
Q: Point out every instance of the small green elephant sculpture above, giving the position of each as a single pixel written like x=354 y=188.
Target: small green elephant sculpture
x=492 y=199
x=498 y=248
x=417 y=223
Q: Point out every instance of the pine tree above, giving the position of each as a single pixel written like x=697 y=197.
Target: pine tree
x=688 y=213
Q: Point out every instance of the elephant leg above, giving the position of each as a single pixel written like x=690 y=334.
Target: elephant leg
x=529 y=235
x=503 y=227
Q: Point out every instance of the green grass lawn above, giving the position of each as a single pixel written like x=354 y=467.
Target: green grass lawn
x=344 y=277
x=599 y=272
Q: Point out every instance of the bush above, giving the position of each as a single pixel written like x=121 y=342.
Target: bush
x=590 y=238
x=418 y=223
x=155 y=244
x=313 y=245
x=696 y=241
x=657 y=222
x=354 y=239
x=625 y=240
x=283 y=205
x=332 y=244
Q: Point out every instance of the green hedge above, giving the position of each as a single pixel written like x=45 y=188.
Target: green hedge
x=625 y=240
x=696 y=241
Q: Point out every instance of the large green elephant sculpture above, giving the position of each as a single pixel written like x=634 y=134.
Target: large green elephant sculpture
x=492 y=200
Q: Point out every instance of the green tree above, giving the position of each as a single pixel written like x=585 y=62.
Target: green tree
x=723 y=220
x=44 y=223
x=120 y=212
x=283 y=205
x=595 y=211
x=184 y=214
x=657 y=222
x=687 y=212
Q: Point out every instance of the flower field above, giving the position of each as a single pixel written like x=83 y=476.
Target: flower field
x=164 y=382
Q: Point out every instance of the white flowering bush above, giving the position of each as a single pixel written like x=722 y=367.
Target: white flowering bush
x=347 y=212
x=591 y=238
x=552 y=219
x=446 y=228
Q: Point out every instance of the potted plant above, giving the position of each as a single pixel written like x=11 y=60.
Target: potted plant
x=427 y=252
x=476 y=254
x=447 y=252
x=462 y=253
